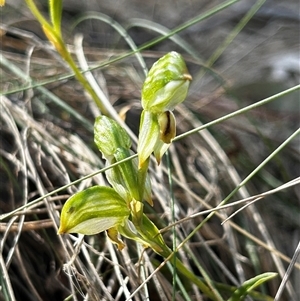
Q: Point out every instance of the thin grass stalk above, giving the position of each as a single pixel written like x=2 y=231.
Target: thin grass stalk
x=164 y=31
x=238 y=112
x=153 y=42
x=56 y=38
x=174 y=234
x=7 y=288
x=177 y=282
x=232 y=35
x=287 y=274
x=90 y=78
x=119 y=28
x=18 y=72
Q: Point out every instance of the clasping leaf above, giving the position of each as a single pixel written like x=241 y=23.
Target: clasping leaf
x=92 y=211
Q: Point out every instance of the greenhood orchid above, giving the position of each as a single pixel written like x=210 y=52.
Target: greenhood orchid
x=166 y=86
x=119 y=209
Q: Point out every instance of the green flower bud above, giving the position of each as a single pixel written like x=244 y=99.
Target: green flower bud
x=109 y=136
x=114 y=143
x=166 y=84
x=92 y=211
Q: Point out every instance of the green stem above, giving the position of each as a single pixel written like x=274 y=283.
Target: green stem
x=80 y=77
x=191 y=276
x=212 y=293
x=151 y=235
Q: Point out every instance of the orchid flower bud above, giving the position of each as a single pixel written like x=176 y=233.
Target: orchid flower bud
x=166 y=84
x=114 y=142
x=92 y=211
x=109 y=136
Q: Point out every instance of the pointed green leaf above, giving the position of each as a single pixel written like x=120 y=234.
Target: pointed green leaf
x=150 y=233
x=250 y=285
x=166 y=84
x=93 y=210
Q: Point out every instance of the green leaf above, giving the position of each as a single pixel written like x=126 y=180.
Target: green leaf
x=250 y=285
x=166 y=84
x=92 y=211
x=109 y=136
x=150 y=233
x=147 y=234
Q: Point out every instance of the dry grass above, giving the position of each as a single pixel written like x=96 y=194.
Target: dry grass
x=47 y=143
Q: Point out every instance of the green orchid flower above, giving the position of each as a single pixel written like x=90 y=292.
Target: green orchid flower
x=166 y=86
